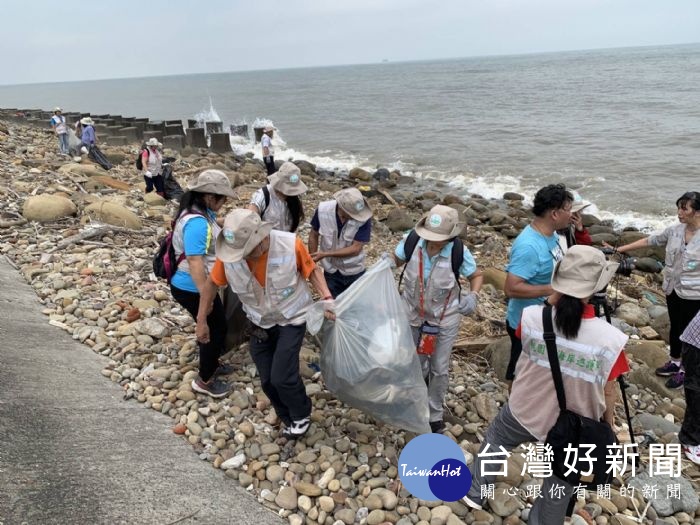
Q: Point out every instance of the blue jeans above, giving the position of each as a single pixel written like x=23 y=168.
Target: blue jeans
x=63 y=143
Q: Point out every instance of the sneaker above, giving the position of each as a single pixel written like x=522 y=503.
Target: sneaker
x=669 y=369
x=298 y=428
x=471 y=503
x=437 y=427
x=224 y=370
x=692 y=453
x=676 y=380
x=213 y=388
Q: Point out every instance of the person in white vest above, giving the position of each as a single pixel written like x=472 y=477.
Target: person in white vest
x=591 y=359
x=279 y=202
x=194 y=236
x=58 y=123
x=434 y=299
x=152 y=162
x=340 y=228
x=268 y=270
x=268 y=154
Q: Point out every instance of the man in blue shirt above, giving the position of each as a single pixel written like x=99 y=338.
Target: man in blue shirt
x=532 y=259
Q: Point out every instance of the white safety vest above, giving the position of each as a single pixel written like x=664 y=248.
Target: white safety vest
x=213 y=230
x=286 y=296
x=277 y=212
x=331 y=241
x=441 y=282
x=155 y=162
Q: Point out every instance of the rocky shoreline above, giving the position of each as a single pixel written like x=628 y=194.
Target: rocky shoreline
x=84 y=238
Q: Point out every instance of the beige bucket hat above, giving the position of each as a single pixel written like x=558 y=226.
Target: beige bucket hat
x=243 y=230
x=582 y=272
x=579 y=203
x=57 y=110
x=213 y=181
x=287 y=180
x=441 y=223
x=352 y=202
x=153 y=142
x=86 y=121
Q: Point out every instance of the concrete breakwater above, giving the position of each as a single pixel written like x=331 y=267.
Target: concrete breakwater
x=99 y=289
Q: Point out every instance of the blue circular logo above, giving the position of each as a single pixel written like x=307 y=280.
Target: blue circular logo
x=433 y=467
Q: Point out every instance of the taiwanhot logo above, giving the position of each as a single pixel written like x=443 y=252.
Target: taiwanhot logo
x=433 y=467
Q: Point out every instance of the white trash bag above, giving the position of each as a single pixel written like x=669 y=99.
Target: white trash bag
x=368 y=356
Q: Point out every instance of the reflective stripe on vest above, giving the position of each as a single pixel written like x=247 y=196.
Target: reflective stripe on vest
x=330 y=241
x=213 y=230
x=277 y=212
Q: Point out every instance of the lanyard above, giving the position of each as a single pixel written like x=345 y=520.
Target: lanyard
x=422 y=284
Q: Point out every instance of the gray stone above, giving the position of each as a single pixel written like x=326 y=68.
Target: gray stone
x=663 y=505
x=633 y=314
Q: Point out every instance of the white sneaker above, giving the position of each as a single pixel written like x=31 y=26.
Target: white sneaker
x=471 y=503
x=692 y=453
x=297 y=429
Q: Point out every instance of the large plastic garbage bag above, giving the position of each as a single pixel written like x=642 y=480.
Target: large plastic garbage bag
x=368 y=356
x=171 y=187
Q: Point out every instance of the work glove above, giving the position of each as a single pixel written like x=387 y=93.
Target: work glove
x=386 y=256
x=84 y=150
x=148 y=174
x=468 y=303
x=328 y=305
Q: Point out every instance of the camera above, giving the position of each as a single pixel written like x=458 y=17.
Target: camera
x=626 y=263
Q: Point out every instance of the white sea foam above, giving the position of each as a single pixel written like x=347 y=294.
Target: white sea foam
x=207 y=115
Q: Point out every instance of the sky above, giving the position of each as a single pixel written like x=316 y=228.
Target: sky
x=70 y=40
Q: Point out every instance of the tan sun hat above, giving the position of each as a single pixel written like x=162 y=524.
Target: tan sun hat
x=582 y=272
x=352 y=202
x=243 y=230
x=213 y=181
x=578 y=204
x=287 y=180
x=86 y=121
x=57 y=110
x=153 y=142
x=441 y=223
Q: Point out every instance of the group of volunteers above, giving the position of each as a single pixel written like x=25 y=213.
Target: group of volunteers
x=86 y=139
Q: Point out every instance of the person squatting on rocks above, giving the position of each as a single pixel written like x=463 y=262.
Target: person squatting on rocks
x=58 y=123
x=689 y=435
x=533 y=407
x=194 y=234
x=576 y=232
x=268 y=153
x=88 y=143
x=152 y=162
x=432 y=295
x=279 y=202
x=340 y=228
x=681 y=277
x=268 y=270
x=532 y=258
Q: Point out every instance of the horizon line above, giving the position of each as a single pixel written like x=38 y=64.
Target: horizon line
x=382 y=61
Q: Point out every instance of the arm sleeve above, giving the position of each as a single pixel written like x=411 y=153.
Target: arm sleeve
x=660 y=239
x=400 y=250
x=468 y=264
x=583 y=237
x=197 y=236
x=620 y=367
x=305 y=264
x=315 y=224
x=258 y=199
x=518 y=331
x=523 y=262
x=364 y=232
x=218 y=274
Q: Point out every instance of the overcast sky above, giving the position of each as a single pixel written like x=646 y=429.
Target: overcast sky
x=49 y=40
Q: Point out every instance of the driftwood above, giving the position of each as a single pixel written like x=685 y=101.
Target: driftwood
x=92 y=233
x=387 y=196
x=10 y=219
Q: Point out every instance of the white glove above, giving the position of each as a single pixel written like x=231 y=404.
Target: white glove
x=386 y=256
x=328 y=305
x=468 y=303
x=84 y=150
x=148 y=174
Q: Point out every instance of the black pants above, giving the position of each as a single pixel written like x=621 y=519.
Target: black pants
x=338 y=283
x=277 y=361
x=210 y=352
x=516 y=348
x=690 y=430
x=269 y=164
x=680 y=313
x=157 y=182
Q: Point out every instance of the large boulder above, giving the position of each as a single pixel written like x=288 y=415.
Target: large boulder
x=664 y=506
x=399 y=220
x=653 y=354
x=360 y=175
x=306 y=168
x=113 y=213
x=498 y=356
x=47 y=208
x=81 y=170
x=662 y=325
x=495 y=277
x=644 y=377
x=633 y=314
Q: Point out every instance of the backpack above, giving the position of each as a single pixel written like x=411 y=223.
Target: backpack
x=266 y=194
x=165 y=262
x=139 y=160
x=457 y=254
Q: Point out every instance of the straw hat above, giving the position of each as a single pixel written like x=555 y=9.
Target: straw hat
x=582 y=272
x=86 y=121
x=441 y=223
x=352 y=202
x=287 y=180
x=153 y=142
x=213 y=181
x=243 y=230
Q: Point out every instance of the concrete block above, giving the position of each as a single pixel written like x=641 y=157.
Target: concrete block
x=155 y=126
x=158 y=135
x=176 y=142
x=173 y=122
x=108 y=121
x=173 y=129
x=131 y=134
x=240 y=130
x=128 y=119
x=196 y=138
x=214 y=126
x=192 y=123
x=117 y=141
x=114 y=131
x=139 y=128
x=220 y=143
x=101 y=130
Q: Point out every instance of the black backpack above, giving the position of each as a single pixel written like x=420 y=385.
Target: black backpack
x=457 y=254
x=139 y=160
x=165 y=262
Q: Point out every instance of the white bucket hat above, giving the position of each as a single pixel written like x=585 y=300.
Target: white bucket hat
x=153 y=142
x=287 y=180
x=57 y=109
x=582 y=272
x=441 y=223
x=243 y=230
x=213 y=181
x=352 y=202
x=579 y=204
x=86 y=121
